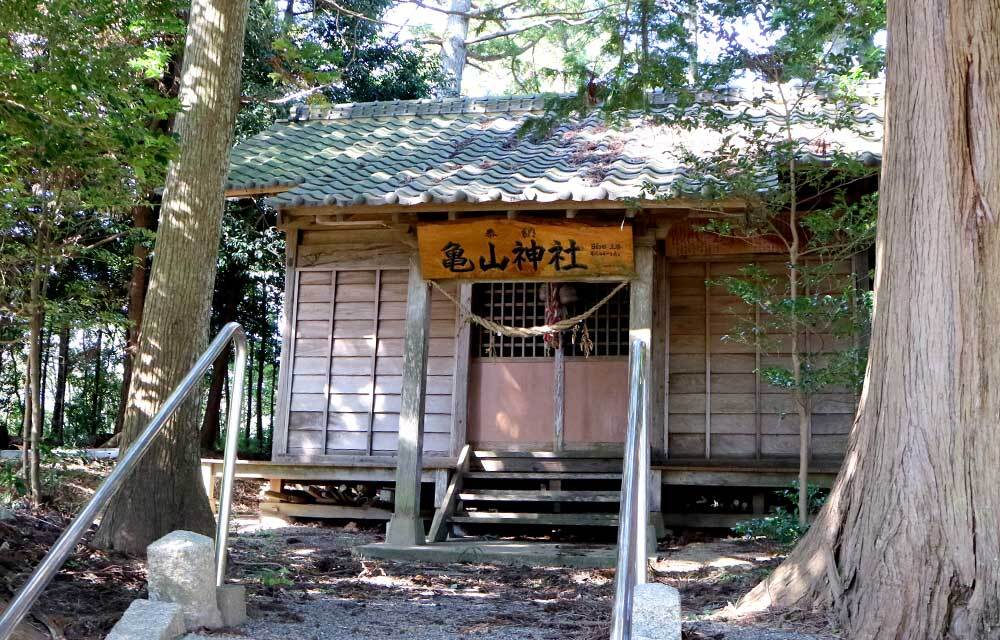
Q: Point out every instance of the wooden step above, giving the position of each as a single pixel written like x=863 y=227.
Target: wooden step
x=592 y=455
x=568 y=465
x=543 y=475
x=539 y=496
x=572 y=519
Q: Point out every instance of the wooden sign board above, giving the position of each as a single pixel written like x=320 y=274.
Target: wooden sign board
x=503 y=249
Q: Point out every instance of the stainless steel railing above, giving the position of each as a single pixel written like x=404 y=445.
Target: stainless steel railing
x=67 y=542
x=634 y=515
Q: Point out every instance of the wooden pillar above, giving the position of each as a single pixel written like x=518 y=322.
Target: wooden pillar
x=406 y=526
x=640 y=324
x=460 y=377
x=559 y=399
x=279 y=439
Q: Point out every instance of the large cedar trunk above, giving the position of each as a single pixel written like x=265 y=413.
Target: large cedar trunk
x=907 y=544
x=166 y=493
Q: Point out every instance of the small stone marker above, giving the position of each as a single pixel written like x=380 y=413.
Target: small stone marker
x=233 y=604
x=182 y=571
x=656 y=612
x=147 y=620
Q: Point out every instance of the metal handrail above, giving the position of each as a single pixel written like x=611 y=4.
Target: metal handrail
x=634 y=516
x=64 y=546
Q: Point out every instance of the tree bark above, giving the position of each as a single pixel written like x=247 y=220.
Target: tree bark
x=260 y=391
x=4 y=434
x=453 y=48
x=142 y=218
x=97 y=400
x=166 y=492
x=35 y=323
x=906 y=546
x=213 y=405
x=62 y=373
x=248 y=392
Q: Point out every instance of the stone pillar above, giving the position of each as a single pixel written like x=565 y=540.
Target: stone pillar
x=182 y=571
x=406 y=526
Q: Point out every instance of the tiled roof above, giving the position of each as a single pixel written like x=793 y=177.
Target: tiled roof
x=469 y=150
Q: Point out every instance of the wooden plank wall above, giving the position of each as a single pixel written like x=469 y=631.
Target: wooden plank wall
x=719 y=407
x=347 y=351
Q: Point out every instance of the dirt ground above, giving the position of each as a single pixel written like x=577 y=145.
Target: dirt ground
x=304 y=583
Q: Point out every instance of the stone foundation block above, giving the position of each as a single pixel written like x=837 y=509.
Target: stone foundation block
x=182 y=571
x=147 y=620
x=656 y=612
x=232 y=600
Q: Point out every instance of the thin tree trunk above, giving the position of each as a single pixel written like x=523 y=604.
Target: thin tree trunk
x=62 y=373
x=46 y=346
x=35 y=324
x=906 y=546
x=97 y=400
x=453 y=48
x=26 y=421
x=273 y=392
x=261 y=353
x=248 y=392
x=213 y=405
x=4 y=433
x=142 y=218
x=165 y=493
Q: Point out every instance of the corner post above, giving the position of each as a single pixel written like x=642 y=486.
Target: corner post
x=406 y=526
x=640 y=324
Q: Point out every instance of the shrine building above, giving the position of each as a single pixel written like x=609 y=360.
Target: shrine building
x=422 y=237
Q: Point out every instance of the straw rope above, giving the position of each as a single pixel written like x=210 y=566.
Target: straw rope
x=495 y=328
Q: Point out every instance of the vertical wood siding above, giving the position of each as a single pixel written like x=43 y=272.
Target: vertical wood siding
x=347 y=356
x=719 y=407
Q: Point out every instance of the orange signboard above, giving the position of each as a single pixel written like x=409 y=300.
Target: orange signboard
x=504 y=249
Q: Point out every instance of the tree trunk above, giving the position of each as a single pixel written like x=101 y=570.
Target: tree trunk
x=4 y=434
x=142 y=218
x=62 y=373
x=260 y=391
x=35 y=323
x=213 y=405
x=26 y=421
x=248 y=392
x=166 y=493
x=453 y=48
x=906 y=546
x=97 y=401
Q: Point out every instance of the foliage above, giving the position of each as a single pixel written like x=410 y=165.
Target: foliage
x=782 y=525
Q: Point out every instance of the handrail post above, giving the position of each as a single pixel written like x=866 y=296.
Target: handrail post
x=127 y=460
x=229 y=458
x=631 y=566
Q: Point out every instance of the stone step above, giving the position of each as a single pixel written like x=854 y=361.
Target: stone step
x=538 y=496
x=565 y=519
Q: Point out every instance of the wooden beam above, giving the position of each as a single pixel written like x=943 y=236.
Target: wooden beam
x=460 y=375
x=407 y=525
x=681 y=205
x=258 y=191
x=439 y=530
